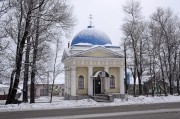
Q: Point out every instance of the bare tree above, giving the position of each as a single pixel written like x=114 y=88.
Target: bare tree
x=166 y=22
x=29 y=7
x=152 y=50
x=3 y=43
x=134 y=29
x=178 y=75
x=33 y=22
x=178 y=59
x=57 y=69
x=58 y=15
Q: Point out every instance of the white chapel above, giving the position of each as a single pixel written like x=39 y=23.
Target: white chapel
x=93 y=66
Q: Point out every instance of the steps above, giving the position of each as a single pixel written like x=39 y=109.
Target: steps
x=103 y=98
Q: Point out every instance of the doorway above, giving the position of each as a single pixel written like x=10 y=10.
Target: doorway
x=97 y=85
x=99 y=82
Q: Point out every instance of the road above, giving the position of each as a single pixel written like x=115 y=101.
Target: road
x=146 y=111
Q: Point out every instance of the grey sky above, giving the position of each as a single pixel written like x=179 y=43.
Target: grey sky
x=108 y=14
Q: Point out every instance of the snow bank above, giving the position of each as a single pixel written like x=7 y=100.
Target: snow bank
x=59 y=103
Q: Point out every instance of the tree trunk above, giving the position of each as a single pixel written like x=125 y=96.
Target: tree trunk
x=134 y=87
x=170 y=73
x=139 y=68
x=178 y=76
x=135 y=63
x=19 y=56
x=139 y=81
x=11 y=86
x=26 y=72
x=18 y=69
x=126 y=83
x=162 y=72
x=33 y=72
x=54 y=68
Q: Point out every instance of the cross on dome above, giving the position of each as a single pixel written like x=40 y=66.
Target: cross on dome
x=90 y=18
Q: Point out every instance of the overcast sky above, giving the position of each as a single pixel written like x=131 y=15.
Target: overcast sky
x=108 y=14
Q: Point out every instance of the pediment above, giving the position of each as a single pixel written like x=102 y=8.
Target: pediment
x=98 y=52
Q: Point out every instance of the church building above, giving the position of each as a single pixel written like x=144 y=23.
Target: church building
x=93 y=66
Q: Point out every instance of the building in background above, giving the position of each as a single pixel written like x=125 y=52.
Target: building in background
x=44 y=89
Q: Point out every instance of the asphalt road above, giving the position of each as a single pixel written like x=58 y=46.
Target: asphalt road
x=146 y=111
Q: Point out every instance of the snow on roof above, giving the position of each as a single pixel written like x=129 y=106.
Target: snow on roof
x=79 y=48
x=83 y=44
x=94 y=47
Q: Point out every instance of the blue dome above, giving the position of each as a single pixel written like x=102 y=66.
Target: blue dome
x=91 y=36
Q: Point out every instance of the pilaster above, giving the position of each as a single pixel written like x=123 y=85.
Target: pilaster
x=106 y=69
x=90 y=81
x=121 y=81
x=73 y=80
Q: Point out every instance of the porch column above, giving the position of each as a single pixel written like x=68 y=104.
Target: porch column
x=106 y=69
x=90 y=81
x=69 y=81
x=67 y=73
x=121 y=81
x=73 y=81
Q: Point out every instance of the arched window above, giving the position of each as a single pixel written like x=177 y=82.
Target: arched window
x=112 y=82
x=81 y=82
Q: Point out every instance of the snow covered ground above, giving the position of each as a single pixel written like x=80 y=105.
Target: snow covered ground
x=59 y=103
